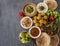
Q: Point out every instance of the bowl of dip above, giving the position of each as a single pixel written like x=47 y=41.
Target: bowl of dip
x=34 y=32
x=26 y=22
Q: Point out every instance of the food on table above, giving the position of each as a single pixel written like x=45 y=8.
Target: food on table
x=54 y=15
x=52 y=30
x=44 y=19
x=35 y=21
x=37 y=24
x=21 y=14
x=47 y=23
x=42 y=7
x=51 y=18
x=24 y=37
x=35 y=17
x=54 y=41
x=34 y=32
x=26 y=22
x=30 y=9
x=52 y=4
x=41 y=21
x=52 y=21
x=43 y=40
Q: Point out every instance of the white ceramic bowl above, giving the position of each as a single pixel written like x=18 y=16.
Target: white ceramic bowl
x=24 y=26
x=37 y=35
x=44 y=5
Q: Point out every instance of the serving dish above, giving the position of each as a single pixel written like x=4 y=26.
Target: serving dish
x=42 y=7
x=26 y=22
x=34 y=32
x=30 y=9
x=24 y=37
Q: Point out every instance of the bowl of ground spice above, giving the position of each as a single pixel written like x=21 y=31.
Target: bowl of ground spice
x=34 y=32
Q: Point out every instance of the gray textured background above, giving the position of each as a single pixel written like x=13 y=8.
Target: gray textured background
x=9 y=21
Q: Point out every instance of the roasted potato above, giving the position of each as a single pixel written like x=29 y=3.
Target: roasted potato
x=40 y=25
x=44 y=21
x=37 y=24
x=38 y=17
x=35 y=17
x=45 y=17
x=34 y=21
x=41 y=21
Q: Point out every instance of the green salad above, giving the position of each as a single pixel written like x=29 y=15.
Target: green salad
x=24 y=37
x=55 y=14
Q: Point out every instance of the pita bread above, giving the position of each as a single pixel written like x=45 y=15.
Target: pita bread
x=54 y=41
x=43 y=40
x=52 y=4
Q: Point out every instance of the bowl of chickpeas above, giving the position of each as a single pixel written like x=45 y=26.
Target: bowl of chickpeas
x=26 y=22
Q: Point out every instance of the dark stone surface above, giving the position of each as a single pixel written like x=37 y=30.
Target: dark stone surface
x=9 y=22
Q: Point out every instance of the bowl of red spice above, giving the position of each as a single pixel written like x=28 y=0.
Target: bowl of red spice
x=34 y=32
